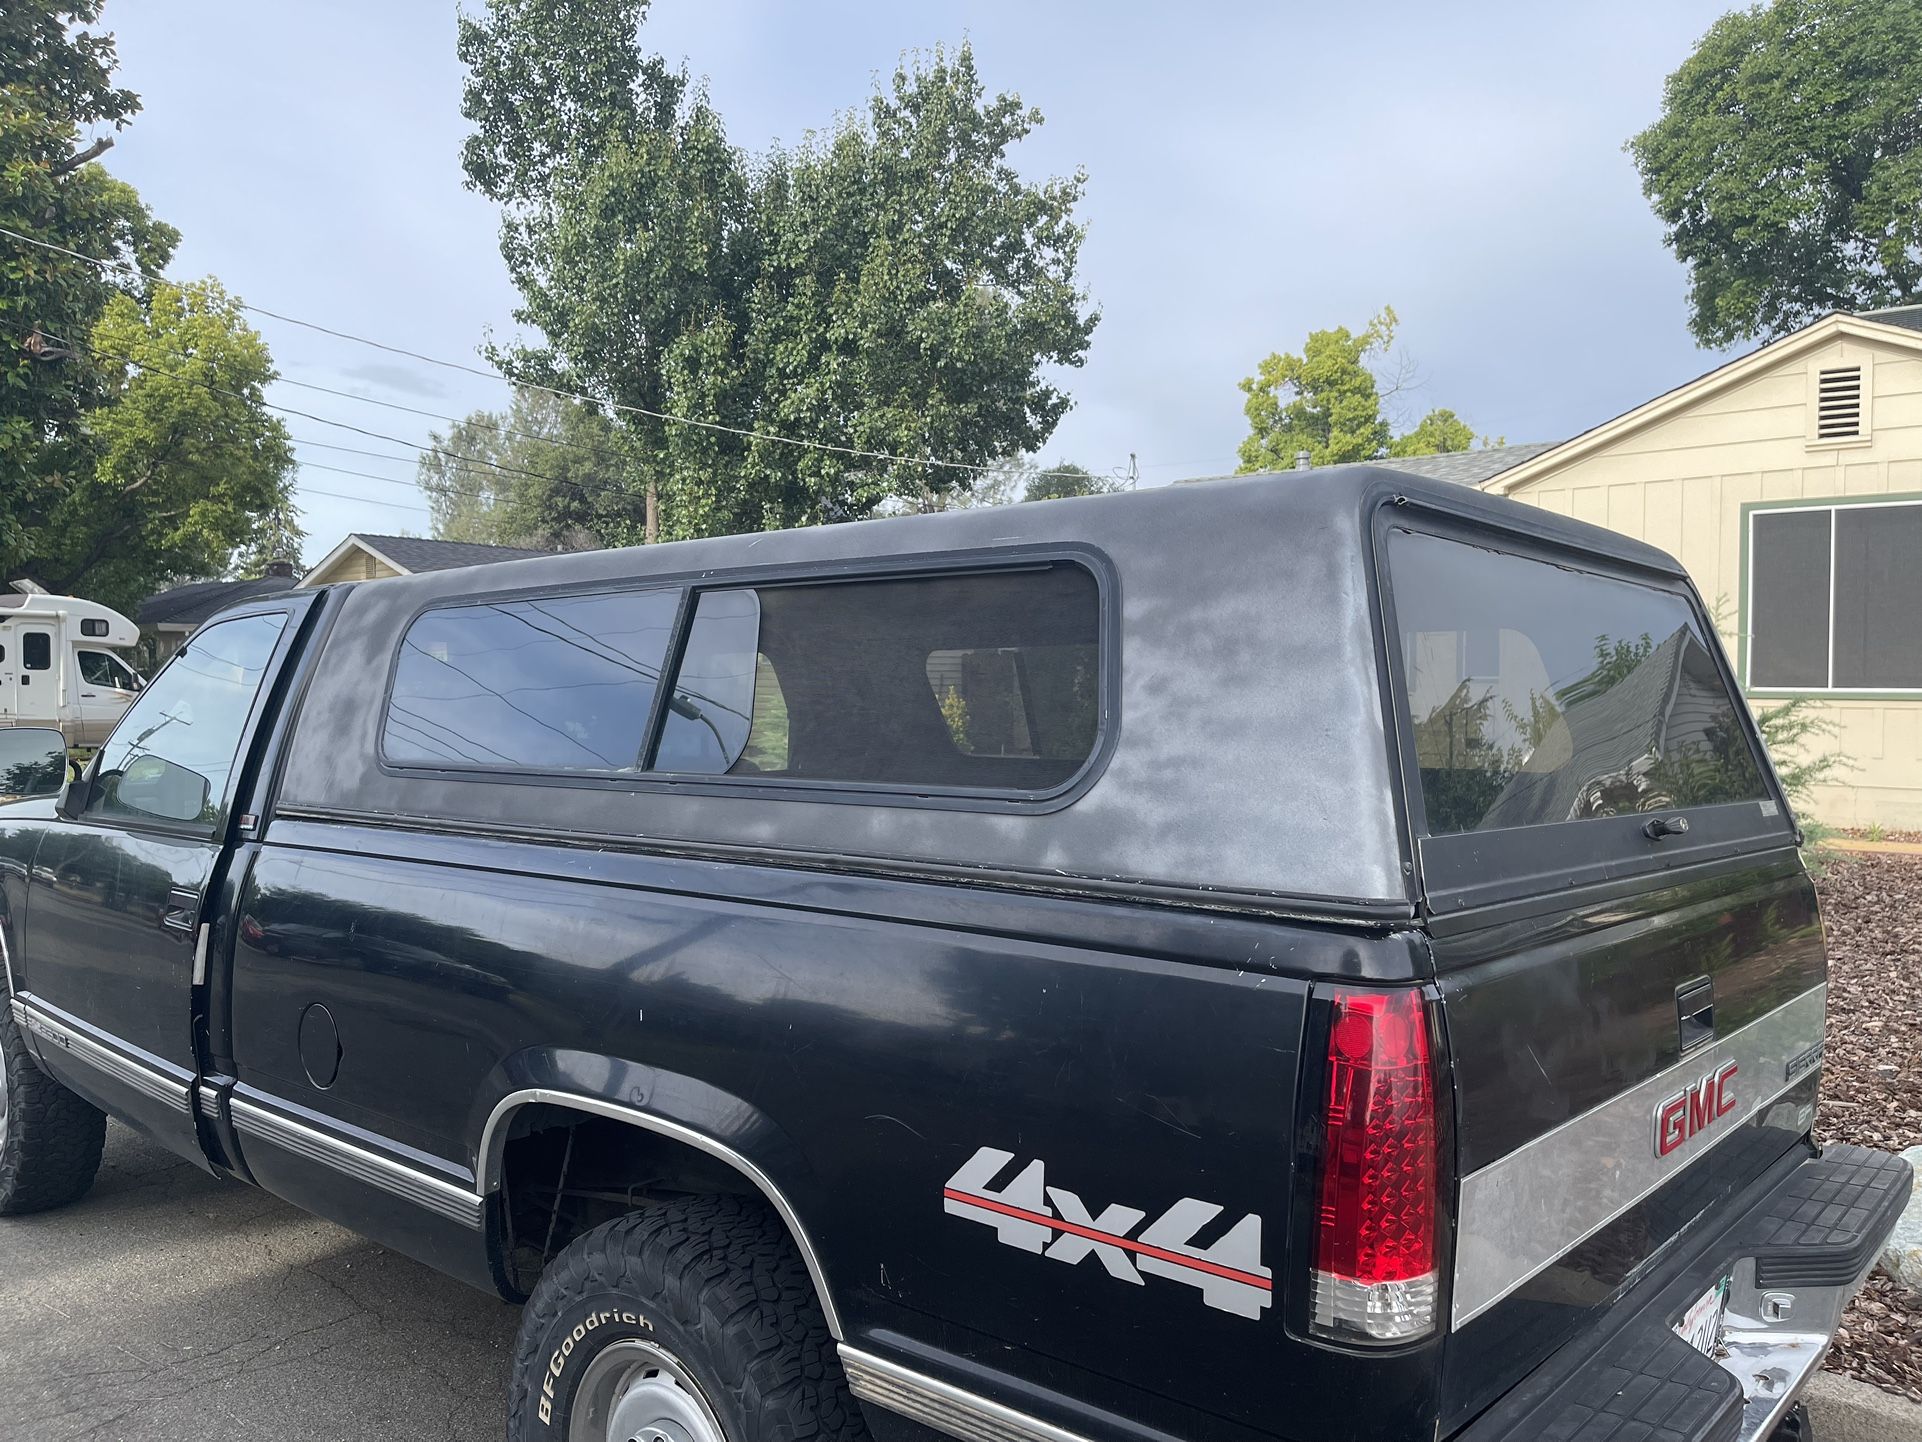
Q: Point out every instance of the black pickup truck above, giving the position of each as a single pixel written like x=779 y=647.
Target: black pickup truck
x=1319 y=957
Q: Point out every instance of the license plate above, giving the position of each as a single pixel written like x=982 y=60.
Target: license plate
x=1701 y=1324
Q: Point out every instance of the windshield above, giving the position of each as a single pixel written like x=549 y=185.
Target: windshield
x=1540 y=694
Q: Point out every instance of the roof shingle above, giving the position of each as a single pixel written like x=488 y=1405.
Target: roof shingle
x=418 y=553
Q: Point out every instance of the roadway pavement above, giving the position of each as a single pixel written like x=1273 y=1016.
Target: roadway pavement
x=170 y=1307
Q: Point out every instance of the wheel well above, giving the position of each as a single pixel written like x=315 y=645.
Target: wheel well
x=563 y=1170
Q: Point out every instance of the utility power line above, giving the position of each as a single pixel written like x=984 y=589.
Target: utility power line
x=490 y=374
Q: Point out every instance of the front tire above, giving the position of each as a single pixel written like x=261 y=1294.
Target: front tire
x=693 y=1320
x=50 y=1139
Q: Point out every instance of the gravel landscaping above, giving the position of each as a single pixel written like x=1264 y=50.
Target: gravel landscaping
x=1872 y=1076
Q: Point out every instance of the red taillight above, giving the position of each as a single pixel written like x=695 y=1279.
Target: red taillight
x=1376 y=1222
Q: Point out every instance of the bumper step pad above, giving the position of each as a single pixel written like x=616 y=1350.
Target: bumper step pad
x=1650 y=1386
x=1825 y=1226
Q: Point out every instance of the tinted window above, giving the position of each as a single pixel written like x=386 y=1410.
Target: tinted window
x=711 y=709
x=36 y=650
x=555 y=683
x=989 y=680
x=1538 y=694
x=171 y=754
x=93 y=626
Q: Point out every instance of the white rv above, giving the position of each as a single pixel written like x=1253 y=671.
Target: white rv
x=59 y=667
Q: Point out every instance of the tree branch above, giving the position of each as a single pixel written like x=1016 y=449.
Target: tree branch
x=93 y=152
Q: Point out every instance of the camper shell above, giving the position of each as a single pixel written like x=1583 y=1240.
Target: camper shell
x=1315 y=956
x=61 y=665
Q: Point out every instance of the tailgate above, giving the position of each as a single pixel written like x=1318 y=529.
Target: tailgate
x=1626 y=943
x=1588 y=1139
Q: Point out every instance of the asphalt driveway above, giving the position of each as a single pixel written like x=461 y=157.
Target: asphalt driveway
x=168 y=1305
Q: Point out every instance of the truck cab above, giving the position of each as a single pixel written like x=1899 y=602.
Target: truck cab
x=62 y=665
x=1312 y=958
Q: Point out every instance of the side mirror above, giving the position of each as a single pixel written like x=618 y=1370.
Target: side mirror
x=33 y=762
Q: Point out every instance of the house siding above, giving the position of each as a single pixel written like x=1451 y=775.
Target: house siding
x=1687 y=484
x=356 y=565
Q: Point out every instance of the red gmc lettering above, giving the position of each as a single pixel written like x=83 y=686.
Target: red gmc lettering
x=1687 y=1114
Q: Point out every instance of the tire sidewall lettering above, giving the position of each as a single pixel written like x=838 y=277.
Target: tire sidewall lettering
x=600 y=1325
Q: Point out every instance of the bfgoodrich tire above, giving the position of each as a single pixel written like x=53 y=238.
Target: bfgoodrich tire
x=694 y=1315
x=50 y=1139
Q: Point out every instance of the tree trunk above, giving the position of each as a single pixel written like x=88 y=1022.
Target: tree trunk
x=652 y=533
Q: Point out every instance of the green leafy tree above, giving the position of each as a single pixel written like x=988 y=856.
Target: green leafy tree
x=890 y=286
x=1438 y=432
x=1065 y=478
x=1787 y=165
x=183 y=465
x=1328 y=400
x=546 y=472
x=56 y=79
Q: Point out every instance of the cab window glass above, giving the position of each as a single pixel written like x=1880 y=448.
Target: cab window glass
x=563 y=683
x=170 y=757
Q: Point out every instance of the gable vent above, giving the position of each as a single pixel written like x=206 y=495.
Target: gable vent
x=1838 y=403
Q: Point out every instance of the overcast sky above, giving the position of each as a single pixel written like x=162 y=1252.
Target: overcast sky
x=1255 y=171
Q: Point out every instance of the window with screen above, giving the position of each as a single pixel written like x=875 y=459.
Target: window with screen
x=549 y=683
x=1833 y=593
x=989 y=680
x=36 y=651
x=1538 y=694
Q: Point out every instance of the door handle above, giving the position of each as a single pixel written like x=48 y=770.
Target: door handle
x=1695 y=1013
x=181 y=911
x=86 y=696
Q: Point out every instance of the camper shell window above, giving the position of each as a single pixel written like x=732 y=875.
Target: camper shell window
x=978 y=681
x=1549 y=708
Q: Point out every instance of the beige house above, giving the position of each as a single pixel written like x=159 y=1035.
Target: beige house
x=1789 y=482
x=366 y=557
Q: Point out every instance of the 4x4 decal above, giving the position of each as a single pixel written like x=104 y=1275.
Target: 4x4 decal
x=1034 y=1217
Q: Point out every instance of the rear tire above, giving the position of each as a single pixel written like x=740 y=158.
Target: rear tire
x=697 y=1315
x=50 y=1140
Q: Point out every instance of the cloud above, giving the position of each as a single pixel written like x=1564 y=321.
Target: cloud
x=400 y=378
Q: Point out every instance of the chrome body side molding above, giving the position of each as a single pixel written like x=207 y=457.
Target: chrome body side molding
x=941 y=1405
x=143 y=1077
x=494 y=1142
x=447 y=1199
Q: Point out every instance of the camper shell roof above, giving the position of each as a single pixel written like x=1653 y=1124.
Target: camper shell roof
x=1248 y=761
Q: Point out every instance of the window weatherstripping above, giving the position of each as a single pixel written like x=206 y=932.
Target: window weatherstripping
x=1831 y=590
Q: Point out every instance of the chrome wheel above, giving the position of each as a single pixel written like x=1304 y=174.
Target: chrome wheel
x=640 y=1392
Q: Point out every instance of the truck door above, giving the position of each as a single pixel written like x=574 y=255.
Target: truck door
x=115 y=948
